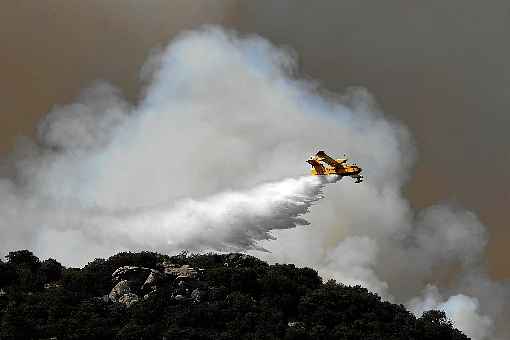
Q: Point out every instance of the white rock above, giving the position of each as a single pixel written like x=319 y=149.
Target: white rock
x=119 y=290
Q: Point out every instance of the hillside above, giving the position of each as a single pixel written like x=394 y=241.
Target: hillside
x=229 y=296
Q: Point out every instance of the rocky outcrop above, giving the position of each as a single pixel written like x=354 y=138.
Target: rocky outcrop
x=119 y=290
x=131 y=282
x=180 y=272
x=133 y=274
x=152 y=281
x=128 y=299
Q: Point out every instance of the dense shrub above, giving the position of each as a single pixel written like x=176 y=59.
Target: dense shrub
x=7 y=274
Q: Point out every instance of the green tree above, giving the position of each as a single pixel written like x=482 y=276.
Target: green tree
x=51 y=270
x=23 y=258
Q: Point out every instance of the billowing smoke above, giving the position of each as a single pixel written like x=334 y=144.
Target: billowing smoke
x=462 y=310
x=212 y=157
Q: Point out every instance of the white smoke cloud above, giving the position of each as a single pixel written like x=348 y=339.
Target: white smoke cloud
x=351 y=261
x=461 y=309
x=189 y=167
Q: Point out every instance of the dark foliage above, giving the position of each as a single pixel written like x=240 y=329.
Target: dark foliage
x=23 y=259
x=27 y=270
x=51 y=270
x=246 y=299
x=7 y=274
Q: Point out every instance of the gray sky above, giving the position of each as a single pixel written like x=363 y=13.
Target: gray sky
x=440 y=67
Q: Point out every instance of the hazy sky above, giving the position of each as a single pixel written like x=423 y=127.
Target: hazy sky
x=443 y=68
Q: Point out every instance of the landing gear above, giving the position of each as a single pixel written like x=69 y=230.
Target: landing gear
x=358 y=178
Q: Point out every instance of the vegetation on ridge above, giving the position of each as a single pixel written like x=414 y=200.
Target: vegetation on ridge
x=235 y=297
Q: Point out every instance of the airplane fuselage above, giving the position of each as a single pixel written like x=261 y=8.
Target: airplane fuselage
x=344 y=170
x=323 y=165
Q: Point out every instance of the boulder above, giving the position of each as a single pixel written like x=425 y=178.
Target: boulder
x=128 y=299
x=122 y=288
x=152 y=281
x=179 y=271
x=137 y=275
x=133 y=282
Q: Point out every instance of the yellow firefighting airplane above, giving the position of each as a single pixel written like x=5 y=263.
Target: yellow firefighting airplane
x=336 y=167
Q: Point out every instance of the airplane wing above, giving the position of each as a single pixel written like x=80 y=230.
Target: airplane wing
x=321 y=156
